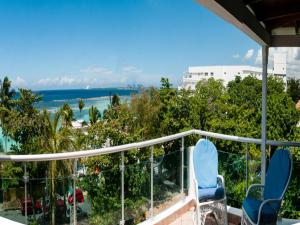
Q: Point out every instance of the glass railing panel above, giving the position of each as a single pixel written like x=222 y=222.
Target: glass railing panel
x=254 y=164
x=232 y=166
x=48 y=191
x=39 y=192
x=167 y=180
x=186 y=164
x=12 y=191
x=291 y=202
x=137 y=185
x=99 y=187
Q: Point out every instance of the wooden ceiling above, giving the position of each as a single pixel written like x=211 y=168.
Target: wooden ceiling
x=276 y=13
x=274 y=23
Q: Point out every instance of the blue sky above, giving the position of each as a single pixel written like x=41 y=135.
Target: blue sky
x=101 y=43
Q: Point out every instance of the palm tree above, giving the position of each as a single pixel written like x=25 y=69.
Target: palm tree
x=94 y=114
x=115 y=100
x=6 y=93
x=81 y=105
x=67 y=115
x=6 y=101
x=53 y=140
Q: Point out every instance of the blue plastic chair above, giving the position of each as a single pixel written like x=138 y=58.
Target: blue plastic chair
x=278 y=176
x=209 y=186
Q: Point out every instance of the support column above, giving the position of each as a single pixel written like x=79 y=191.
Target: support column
x=265 y=53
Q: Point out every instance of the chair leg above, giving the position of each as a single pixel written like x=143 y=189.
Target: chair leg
x=219 y=209
x=197 y=216
x=242 y=219
x=202 y=215
x=225 y=212
x=220 y=212
x=203 y=218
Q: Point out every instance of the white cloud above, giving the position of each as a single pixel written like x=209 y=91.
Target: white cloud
x=131 y=69
x=236 y=56
x=95 y=76
x=96 y=70
x=19 y=82
x=258 y=59
x=93 y=81
x=292 y=59
x=66 y=81
x=249 y=54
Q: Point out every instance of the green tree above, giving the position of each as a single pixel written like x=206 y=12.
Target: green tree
x=23 y=122
x=6 y=102
x=54 y=140
x=94 y=114
x=115 y=100
x=67 y=115
x=143 y=112
x=6 y=93
x=81 y=105
x=205 y=102
x=293 y=89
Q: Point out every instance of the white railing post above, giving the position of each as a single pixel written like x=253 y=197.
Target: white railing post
x=265 y=52
x=25 y=179
x=188 y=168
x=247 y=158
x=74 y=176
x=151 y=181
x=122 y=169
x=182 y=164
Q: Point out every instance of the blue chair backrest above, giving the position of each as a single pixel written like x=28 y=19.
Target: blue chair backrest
x=205 y=159
x=278 y=174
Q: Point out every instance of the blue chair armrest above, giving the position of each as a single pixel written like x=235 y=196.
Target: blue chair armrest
x=254 y=186
x=265 y=202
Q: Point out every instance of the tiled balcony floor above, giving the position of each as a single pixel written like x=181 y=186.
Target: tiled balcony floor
x=187 y=219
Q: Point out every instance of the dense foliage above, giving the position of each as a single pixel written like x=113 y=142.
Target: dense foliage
x=234 y=110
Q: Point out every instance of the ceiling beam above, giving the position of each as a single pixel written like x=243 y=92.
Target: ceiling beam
x=277 y=12
x=249 y=2
x=285 y=41
x=239 y=10
x=240 y=16
x=283 y=21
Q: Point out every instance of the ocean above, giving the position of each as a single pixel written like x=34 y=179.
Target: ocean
x=52 y=100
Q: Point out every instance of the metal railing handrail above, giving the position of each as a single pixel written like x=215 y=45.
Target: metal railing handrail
x=136 y=145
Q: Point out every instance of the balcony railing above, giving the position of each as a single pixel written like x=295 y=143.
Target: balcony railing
x=162 y=178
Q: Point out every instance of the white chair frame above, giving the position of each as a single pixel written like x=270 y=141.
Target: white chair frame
x=202 y=209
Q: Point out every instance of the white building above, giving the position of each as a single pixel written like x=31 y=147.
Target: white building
x=228 y=73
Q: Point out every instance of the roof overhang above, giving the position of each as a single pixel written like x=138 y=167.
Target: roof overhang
x=262 y=20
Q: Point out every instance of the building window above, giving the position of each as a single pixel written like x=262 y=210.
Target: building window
x=224 y=72
x=206 y=74
x=211 y=73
